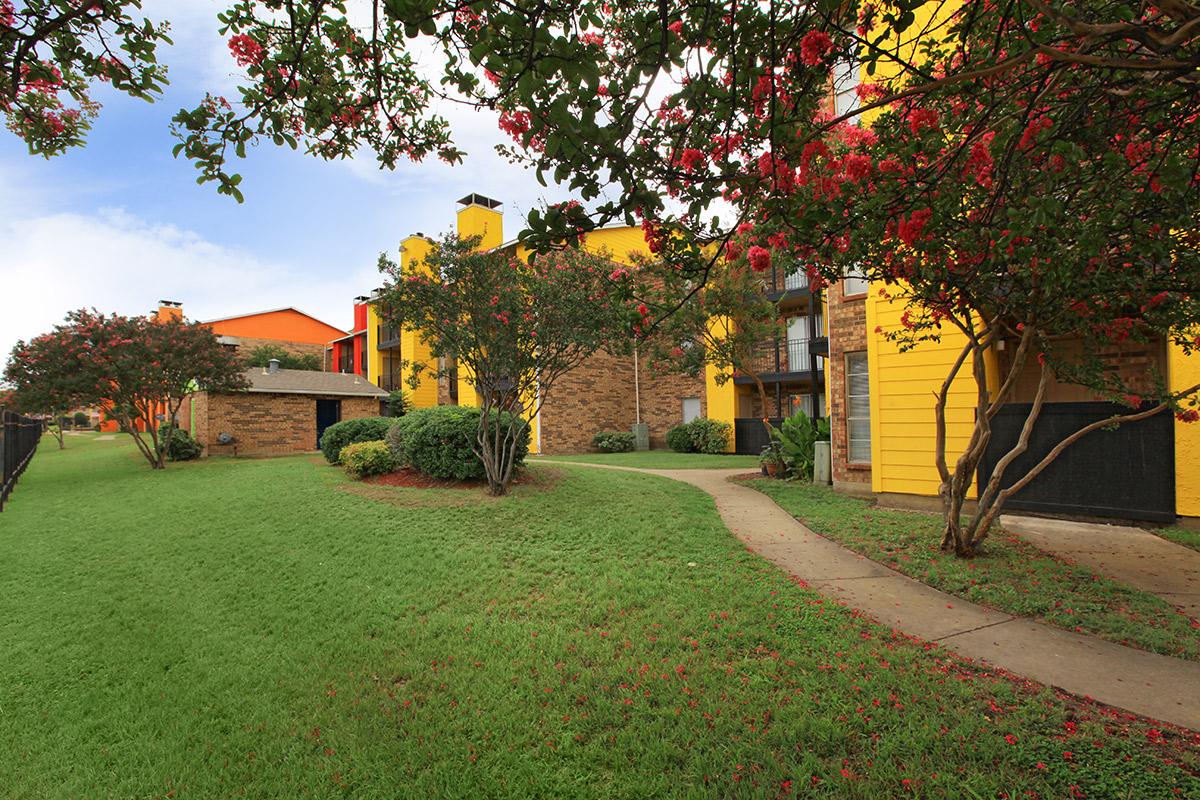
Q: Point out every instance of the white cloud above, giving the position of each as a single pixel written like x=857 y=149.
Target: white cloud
x=114 y=261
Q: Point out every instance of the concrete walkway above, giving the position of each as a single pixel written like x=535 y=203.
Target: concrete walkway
x=1131 y=555
x=1145 y=683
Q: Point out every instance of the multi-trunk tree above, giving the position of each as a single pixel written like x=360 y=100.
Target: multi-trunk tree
x=511 y=326
x=139 y=369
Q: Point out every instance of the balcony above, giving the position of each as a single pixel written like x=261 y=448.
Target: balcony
x=779 y=282
x=783 y=360
x=389 y=336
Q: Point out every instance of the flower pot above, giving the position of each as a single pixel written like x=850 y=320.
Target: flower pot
x=772 y=469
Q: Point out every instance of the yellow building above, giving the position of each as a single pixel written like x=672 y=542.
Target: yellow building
x=607 y=392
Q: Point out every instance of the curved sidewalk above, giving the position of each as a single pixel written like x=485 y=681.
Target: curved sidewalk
x=1144 y=683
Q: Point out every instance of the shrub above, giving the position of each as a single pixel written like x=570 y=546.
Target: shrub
x=363 y=459
x=701 y=435
x=438 y=442
x=709 y=435
x=178 y=444
x=679 y=439
x=350 y=431
x=80 y=419
x=397 y=404
x=613 y=441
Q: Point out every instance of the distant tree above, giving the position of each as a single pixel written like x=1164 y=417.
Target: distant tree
x=728 y=323
x=79 y=419
x=50 y=375
x=515 y=327
x=259 y=356
x=143 y=368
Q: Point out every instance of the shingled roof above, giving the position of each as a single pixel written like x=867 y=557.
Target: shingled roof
x=303 y=381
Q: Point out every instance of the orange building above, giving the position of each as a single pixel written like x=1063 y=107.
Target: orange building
x=290 y=329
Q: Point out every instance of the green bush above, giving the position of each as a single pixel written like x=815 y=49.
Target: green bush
x=178 y=444
x=679 y=439
x=709 y=435
x=701 y=435
x=397 y=403
x=363 y=459
x=614 y=441
x=796 y=437
x=438 y=442
x=350 y=431
x=80 y=419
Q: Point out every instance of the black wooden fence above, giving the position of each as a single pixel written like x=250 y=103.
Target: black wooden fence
x=19 y=438
x=750 y=436
x=1126 y=473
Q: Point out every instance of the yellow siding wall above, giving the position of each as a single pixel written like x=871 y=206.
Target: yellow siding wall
x=720 y=399
x=374 y=359
x=1183 y=372
x=413 y=251
x=903 y=387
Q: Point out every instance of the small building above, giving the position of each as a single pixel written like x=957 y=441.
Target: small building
x=284 y=411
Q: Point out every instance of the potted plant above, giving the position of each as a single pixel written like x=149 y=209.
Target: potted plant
x=772 y=460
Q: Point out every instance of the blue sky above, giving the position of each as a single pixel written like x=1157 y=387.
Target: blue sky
x=119 y=224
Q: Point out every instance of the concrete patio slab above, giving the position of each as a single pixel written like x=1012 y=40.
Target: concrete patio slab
x=1144 y=683
x=1131 y=555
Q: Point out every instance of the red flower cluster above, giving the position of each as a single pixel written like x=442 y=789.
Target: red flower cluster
x=813 y=47
x=246 y=51
x=759 y=258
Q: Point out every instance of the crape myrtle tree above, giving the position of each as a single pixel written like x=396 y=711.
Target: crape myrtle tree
x=49 y=376
x=141 y=368
x=724 y=322
x=514 y=326
x=1049 y=205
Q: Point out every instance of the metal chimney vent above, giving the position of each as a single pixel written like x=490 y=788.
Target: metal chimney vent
x=273 y=366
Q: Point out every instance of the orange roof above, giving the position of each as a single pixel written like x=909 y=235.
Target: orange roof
x=284 y=324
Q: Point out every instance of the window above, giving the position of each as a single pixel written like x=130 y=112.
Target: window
x=845 y=89
x=691 y=408
x=854 y=282
x=804 y=402
x=858 y=409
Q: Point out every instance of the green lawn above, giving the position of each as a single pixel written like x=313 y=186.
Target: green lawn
x=1178 y=534
x=263 y=628
x=665 y=459
x=1012 y=575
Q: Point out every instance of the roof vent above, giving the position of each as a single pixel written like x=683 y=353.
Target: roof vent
x=273 y=366
x=170 y=304
x=474 y=199
x=362 y=298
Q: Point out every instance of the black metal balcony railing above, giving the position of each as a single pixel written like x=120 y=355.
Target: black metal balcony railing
x=785 y=278
x=792 y=355
x=390 y=383
x=389 y=335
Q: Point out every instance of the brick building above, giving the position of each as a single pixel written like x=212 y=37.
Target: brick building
x=283 y=412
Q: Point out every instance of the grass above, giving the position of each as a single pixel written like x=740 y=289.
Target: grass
x=1178 y=534
x=1012 y=575
x=263 y=628
x=665 y=459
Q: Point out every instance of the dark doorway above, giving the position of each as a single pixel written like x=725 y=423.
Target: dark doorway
x=1124 y=473
x=329 y=412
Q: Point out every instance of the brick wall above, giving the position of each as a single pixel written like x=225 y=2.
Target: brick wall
x=1135 y=363
x=265 y=424
x=595 y=396
x=847 y=334
x=599 y=396
x=662 y=400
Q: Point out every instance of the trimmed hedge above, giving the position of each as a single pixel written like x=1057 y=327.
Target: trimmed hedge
x=614 y=441
x=437 y=442
x=350 y=431
x=701 y=435
x=363 y=459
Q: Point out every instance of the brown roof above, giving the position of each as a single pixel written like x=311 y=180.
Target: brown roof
x=303 y=381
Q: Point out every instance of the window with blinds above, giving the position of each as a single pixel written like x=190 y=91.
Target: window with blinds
x=858 y=409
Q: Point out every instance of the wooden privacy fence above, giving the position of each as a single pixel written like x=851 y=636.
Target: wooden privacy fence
x=19 y=438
